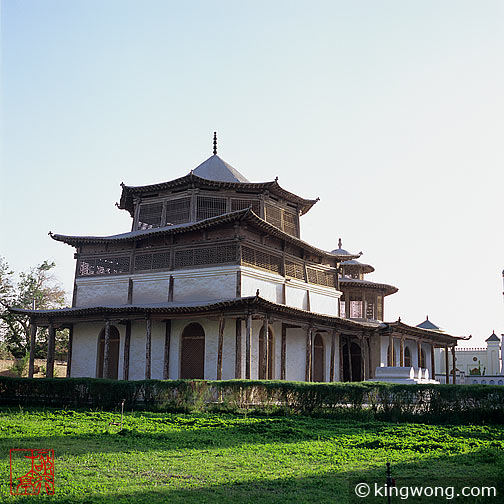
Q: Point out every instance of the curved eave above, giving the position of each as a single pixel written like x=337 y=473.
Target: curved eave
x=441 y=337
x=360 y=267
x=126 y=201
x=253 y=303
x=246 y=215
x=354 y=282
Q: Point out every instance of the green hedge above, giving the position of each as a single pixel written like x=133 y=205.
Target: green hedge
x=381 y=401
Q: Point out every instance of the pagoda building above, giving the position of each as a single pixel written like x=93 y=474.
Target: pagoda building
x=214 y=281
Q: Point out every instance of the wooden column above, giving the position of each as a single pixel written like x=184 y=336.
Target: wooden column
x=148 y=347
x=220 y=344
x=341 y=374
x=248 y=344
x=349 y=354
x=283 y=356
x=130 y=291
x=447 y=370
x=33 y=342
x=50 y=351
x=238 y=349
x=106 y=349
x=454 y=365
x=363 y=358
x=265 y=352
x=333 y=356
x=167 y=344
x=390 y=355
x=433 y=362
x=308 y=364
x=170 y=286
x=69 y=353
x=370 y=359
x=401 y=357
x=126 y=355
x=419 y=354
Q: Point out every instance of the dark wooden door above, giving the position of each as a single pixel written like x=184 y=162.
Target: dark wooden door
x=318 y=358
x=113 y=370
x=192 y=358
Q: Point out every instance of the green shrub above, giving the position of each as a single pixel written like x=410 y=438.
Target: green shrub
x=362 y=401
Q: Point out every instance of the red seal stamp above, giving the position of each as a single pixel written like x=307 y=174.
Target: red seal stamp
x=31 y=471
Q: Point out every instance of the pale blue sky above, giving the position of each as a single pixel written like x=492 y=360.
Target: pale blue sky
x=392 y=112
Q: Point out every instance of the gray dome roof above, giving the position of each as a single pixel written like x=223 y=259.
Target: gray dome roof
x=214 y=168
x=427 y=324
x=493 y=337
x=340 y=250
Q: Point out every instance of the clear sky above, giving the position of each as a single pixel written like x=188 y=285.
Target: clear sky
x=392 y=112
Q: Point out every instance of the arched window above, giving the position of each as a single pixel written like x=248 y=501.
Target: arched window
x=113 y=355
x=318 y=358
x=192 y=354
x=407 y=357
x=262 y=375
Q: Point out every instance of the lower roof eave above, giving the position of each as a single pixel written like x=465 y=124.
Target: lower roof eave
x=236 y=307
x=437 y=338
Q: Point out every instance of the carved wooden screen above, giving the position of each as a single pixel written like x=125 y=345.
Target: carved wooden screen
x=113 y=355
x=241 y=204
x=294 y=270
x=261 y=259
x=192 y=355
x=205 y=255
x=273 y=215
x=150 y=215
x=178 y=211
x=208 y=206
x=152 y=261
x=260 y=361
x=103 y=266
x=320 y=277
x=290 y=223
x=318 y=358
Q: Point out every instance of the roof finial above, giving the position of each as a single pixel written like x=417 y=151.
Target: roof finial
x=339 y=243
x=215 y=142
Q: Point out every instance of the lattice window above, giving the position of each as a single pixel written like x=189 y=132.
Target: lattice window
x=273 y=216
x=150 y=215
x=205 y=255
x=241 y=204
x=320 y=277
x=248 y=256
x=370 y=310
x=104 y=266
x=355 y=309
x=184 y=258
x=178 y=211
x=143 y=262
x=154 y=261
x=161 y=260
x=294 y=270
x=261 y=259
x=210 y=207
x=290 y=223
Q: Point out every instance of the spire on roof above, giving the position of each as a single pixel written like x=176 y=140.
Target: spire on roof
x=215 y=143
x=340 y=244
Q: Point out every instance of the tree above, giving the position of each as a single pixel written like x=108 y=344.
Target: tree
x=35 y=288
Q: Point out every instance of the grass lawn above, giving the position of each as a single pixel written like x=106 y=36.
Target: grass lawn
x=170 y=458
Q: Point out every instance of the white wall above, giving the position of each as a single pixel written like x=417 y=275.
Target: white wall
x=102 y=291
